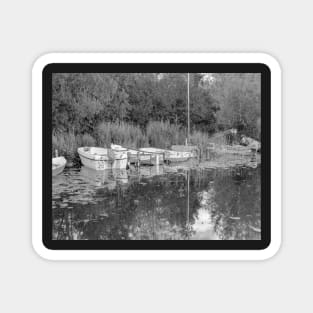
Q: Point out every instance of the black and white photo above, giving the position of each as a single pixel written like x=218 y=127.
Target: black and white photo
x=156 y=156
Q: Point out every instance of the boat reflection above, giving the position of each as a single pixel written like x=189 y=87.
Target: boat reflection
x=109 y=178
x=150 y=203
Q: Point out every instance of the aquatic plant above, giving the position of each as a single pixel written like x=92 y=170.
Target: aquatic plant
x=201 y=140
x=158 y=134
x=163 y=134
x=65 y=143
x=87 y=140
x=121 y=133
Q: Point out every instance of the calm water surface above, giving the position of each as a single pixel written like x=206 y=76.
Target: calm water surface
x=157 y=203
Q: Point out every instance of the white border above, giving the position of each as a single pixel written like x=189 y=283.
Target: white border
x=156 y=58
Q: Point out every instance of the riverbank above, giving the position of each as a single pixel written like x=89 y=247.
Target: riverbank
x=157 y=134
x=161 y=135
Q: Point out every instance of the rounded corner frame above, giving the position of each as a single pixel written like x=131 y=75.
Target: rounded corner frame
x=274 y=245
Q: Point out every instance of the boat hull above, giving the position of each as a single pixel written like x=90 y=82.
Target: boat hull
x=58 y=165
x=177 y=156
x=158 y=155
x=146 y=156
x=100 y=159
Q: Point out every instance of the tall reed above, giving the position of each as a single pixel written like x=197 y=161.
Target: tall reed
x=121 y=133
x=157 y=134
x=67 y=143
x=164 y=135
x=201 y=140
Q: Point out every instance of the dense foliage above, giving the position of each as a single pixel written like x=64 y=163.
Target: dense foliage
x=239 y=99
x=82 y=101
x=151 y=108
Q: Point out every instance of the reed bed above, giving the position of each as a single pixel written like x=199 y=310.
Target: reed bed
x=122 y=133
x=158 y=134
x=163 y=134
x=67 y=143
x=201 y=140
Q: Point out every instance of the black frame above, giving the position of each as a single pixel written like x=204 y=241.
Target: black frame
x=157 y=68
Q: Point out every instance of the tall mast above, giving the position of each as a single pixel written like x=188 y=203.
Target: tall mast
x=188 y=111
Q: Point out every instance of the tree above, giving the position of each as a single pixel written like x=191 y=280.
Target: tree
x=239 y=98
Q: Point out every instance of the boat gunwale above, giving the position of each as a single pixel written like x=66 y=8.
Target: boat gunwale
x=103 y=157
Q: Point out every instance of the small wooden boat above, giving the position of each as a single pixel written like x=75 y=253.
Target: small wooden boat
x=174 y=155
x=194 y=150
x=177 y=156
x=102 y=158
x=146 y=156
x=158 y=154
x=136 y=156
x=58 y=165
x=152 y=156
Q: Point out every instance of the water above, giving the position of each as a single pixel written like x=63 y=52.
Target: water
x=158 y=203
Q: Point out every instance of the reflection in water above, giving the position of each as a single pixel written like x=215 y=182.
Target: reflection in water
x=157 y=203
x=203 y=218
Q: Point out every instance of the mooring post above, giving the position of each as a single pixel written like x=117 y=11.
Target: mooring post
x=138 y=159
x=157 y=159
x=209 y=151
x=128 y=159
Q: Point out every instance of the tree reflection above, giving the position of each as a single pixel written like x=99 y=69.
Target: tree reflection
x=194 y=204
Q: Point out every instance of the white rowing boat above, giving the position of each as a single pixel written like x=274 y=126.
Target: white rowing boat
x=170 y=155
x=58 y=165
x=149 y=156
x=102 y=158
x=158 y=154
x=177 y=156
x=146 y=156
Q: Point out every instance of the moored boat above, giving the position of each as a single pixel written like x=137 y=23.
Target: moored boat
x=146 y=156
x=136 y=156
x=177 y=156
x=158 y=154
x=102 y=158
x=58 y=165
x=194 y=150
x=174 y=155
x=153 y=156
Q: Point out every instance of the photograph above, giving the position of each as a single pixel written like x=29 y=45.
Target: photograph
x=156 y=156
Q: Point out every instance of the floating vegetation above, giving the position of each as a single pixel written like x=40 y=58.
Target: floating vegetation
x=175 y=203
